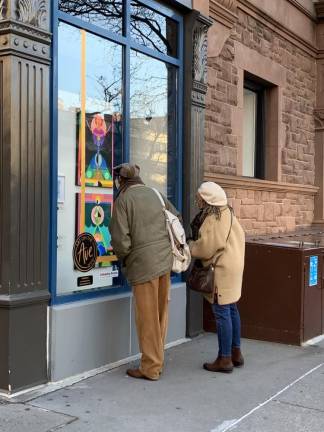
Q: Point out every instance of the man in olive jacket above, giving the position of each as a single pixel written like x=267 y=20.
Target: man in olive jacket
x=141 y=242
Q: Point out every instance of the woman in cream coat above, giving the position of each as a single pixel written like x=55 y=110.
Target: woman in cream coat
x=219 y=238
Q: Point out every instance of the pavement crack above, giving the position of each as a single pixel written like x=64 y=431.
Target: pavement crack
x=298 y=405
x=71 y=417
x=62 y=425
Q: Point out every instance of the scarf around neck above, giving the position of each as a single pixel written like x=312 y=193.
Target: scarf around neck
x=128 y=183
x=202 y=215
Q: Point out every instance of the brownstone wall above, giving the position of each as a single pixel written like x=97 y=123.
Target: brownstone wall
x=221 y=145
x=298 y=97
x=260 y=211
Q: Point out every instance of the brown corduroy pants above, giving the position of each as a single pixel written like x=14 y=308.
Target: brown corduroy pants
x=151 y=313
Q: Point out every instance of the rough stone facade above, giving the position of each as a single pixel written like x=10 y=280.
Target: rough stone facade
x=261 y=211
x=221 y=145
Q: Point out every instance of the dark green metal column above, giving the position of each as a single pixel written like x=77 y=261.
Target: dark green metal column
x=24 y=192
x=196 y=28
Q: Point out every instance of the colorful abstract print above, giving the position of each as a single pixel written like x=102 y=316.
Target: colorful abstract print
x=98 y=209
x=98 y=151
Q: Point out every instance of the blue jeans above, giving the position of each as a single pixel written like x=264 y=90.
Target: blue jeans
x=228 y=328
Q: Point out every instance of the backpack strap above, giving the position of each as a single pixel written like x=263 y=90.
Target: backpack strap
x=160 y=197
x=169 y=230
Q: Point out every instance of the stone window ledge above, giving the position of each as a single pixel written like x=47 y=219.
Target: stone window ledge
x=261 y=185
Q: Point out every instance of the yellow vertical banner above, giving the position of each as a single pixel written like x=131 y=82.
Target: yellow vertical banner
x=83 y=128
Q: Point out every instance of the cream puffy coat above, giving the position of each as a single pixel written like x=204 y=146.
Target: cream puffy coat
x=211 y=246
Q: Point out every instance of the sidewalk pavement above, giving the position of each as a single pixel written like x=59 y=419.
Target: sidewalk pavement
x=280 y=387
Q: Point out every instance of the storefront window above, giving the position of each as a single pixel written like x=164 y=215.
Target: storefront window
x=88 y=86
x=153 y=119
x=117 y=101
x=107 y=14
x=153 y=30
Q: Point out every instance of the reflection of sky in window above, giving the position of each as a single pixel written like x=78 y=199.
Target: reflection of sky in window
x=71 y=101
x=69 y=51
x=149 y=77
x=103 y=71
x=149 y=86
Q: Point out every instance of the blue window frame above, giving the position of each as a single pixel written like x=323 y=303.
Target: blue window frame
x=129 y=44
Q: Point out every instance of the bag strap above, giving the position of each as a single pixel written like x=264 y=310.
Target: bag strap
x=229 y=232
x=166 y=218
x=160 y=197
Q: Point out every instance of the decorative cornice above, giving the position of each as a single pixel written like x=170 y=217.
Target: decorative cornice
x=260 y=185
x=228 y=4
x=24 y=40
x=277 y=27
x=10 y=26
x=302 y=9
x=224 y=12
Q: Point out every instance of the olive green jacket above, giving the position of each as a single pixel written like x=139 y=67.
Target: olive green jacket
x=139 y=236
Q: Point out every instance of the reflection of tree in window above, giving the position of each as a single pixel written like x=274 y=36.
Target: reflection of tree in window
x=147 y=27
x=104 y=13
x=109 y=85
x=153 y=114
x=153 y=30
x=109 y=89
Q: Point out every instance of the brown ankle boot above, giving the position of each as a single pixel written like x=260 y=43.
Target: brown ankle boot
x=237 y=358
x=221 y=364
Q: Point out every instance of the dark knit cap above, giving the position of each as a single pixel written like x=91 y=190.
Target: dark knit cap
x=127 y=170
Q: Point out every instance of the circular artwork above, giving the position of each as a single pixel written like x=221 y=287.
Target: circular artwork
x=97 y=215
x=85 y=252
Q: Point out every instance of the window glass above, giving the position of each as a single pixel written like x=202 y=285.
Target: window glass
x=153 y=30
x=89 y=141
x=153 y=106
x=107 y=13
x=249 y=133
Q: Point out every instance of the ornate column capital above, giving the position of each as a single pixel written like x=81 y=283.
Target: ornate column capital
x=31 y=12
x=24 y=28
x=199 y=59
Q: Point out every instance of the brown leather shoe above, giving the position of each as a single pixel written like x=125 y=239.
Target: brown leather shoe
x=237 y=358
x=136 y=373
x=221 y=364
